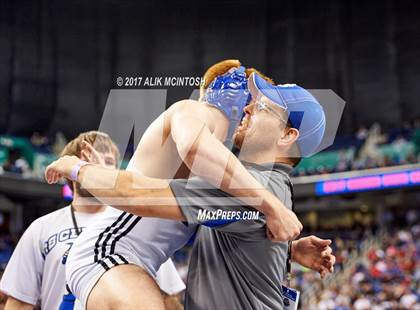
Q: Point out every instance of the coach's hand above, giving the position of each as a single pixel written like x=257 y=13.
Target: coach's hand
x=61 y=168
x=282 y=224
x=314 y=253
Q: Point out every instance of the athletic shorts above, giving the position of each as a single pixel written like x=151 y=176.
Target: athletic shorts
x=118 y=238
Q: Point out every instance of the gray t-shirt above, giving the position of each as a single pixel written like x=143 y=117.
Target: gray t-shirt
x=233 y=265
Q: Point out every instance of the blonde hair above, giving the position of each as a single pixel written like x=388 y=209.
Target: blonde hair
x=99 y=140
x=221 y=68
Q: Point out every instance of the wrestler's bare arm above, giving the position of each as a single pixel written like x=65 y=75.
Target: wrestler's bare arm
x=122 y=189
x=207 y=157
x=129 y=191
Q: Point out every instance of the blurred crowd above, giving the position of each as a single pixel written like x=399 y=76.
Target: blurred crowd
x=367 y=148
x=28 y=157
x=16 y=164
x=384 y=277
x=388 y=278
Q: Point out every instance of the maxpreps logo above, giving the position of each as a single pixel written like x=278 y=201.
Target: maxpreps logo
x=219 y=214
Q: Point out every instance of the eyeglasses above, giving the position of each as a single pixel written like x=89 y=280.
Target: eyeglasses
x=262 y=106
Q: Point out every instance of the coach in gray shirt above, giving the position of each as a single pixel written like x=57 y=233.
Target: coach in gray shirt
x=233 y=264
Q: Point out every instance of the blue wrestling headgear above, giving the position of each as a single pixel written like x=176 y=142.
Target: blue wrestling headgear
x=229 y=93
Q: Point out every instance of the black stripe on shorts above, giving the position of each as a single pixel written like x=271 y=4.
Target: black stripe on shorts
x=104 y=265
x=134 y=223
x=114 y=232
x=97 y=243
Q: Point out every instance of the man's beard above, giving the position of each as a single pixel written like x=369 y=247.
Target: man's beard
x=84 y=198
x=249 y=146
x=238 y=140
x=83 y=193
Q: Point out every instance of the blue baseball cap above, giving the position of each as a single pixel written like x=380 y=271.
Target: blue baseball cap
x=305 y=113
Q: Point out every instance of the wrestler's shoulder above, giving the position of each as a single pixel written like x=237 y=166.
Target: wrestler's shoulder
x=190 y=107
x=186 y=104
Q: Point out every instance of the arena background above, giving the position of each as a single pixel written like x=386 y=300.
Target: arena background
x=59 y=60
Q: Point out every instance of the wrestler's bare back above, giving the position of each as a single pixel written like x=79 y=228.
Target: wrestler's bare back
x=157 y=155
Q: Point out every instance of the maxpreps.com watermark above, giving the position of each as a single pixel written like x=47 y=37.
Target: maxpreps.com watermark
x=219 y=214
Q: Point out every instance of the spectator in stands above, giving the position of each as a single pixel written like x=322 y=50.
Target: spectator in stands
x=344 y=162
x=369 y=154
x=362 y=303
x=409 y=299
x=40 y=142
x=15 y=163
x=387 y=277
x=399 y=144
x=362 y=133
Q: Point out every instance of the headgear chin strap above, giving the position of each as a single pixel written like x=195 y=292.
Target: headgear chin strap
x=229 y=93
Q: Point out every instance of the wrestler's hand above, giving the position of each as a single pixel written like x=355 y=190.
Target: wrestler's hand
x=282 y=224
x=61 y=168
x=314 y=253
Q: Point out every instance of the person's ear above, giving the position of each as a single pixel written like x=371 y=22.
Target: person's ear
x=289 y=137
